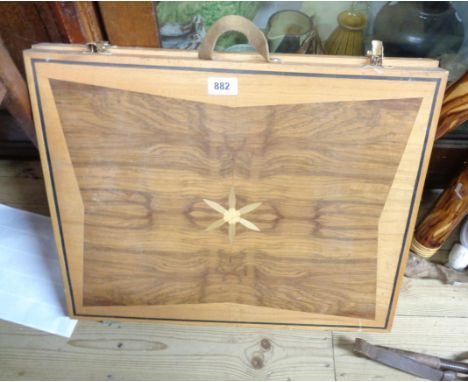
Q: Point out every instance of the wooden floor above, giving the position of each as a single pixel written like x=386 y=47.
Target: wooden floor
x=431 y=318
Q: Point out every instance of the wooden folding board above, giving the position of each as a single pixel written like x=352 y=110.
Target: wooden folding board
x=289 y=202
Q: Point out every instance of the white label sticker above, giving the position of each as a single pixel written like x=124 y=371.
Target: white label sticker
x=222 y=86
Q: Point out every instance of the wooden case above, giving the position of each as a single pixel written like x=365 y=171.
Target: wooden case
x=291 y=203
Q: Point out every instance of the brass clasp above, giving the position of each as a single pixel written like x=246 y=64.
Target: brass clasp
x=376 y=54
x=97 y=46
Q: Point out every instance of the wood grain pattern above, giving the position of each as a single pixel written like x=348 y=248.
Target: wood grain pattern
x=292 y=180
x=130 y=23
x=454 y=110
x=448 y=212
x=431 y=298
x=162 y=352
x=77 y=21
x=157 y=352
x=200 y=151
x=392 y=62
x=234 y=353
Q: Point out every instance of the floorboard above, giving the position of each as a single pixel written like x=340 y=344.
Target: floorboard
x=115 y=351
x=431 y=298
x=445 y=337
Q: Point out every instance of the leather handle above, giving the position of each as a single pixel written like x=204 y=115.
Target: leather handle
x=235 y=23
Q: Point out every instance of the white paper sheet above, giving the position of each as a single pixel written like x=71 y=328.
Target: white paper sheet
x=31 y=288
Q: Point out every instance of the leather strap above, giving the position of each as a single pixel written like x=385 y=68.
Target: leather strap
x=235 y=23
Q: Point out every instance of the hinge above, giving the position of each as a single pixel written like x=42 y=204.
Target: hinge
x=97 y=46
x=376 y=54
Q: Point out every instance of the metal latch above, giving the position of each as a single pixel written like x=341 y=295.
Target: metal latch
x=97 y=46
x=376 y=54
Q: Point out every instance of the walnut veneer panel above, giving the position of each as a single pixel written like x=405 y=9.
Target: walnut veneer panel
x=157 y=160
x=291 y=203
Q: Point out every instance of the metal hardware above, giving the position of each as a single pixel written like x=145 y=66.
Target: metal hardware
x=422 y=365
x=97 y=46
x=275 y=60
x=376 y=54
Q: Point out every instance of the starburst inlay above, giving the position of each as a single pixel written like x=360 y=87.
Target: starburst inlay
x=231 y=215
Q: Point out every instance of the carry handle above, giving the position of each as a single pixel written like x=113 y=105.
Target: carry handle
x=235 y=23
